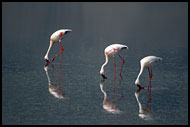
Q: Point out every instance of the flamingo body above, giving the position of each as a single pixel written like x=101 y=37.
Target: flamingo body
x=147 y=62
x=56 y=37
x=112 y=50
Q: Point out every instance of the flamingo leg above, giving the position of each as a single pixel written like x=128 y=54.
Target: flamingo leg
x=58 y=52
x=61 y=46
x=150 y=76
x=55 y=56
x=149 y=85
x=61 y=58
x=61 y=52
x=121 y=66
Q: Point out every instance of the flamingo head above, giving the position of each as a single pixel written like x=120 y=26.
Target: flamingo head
x=47 y=62
x=66 y=31
x=104 y=77
x=160 y=59
x=102 y=73
x=138 y=84
x=140 y=87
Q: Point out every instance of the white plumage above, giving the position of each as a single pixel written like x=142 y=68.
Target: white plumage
x=112 y=50
x=56 y=37
x=147 y=62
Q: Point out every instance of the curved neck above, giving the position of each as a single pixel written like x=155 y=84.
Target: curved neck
x=142 y=68
x=50 y=45
x=102 y=68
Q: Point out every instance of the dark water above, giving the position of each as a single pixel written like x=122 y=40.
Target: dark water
x=75 y=93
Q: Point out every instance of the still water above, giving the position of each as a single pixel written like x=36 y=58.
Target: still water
x=70 y=90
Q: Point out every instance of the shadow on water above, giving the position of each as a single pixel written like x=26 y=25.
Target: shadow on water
x=108 y=104
x=55 y=88
x=144 y=113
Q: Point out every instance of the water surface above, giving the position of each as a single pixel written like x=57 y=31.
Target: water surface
x=72 y=92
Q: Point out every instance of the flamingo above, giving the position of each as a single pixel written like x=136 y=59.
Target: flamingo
x=147 y=62
x=112 y=50
x=56 y=37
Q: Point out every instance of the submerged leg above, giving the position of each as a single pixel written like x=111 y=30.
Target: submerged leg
x=121 y=66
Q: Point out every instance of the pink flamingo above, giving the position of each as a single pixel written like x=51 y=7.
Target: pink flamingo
x=112 y=50
x=56 y=37
x=147 y=62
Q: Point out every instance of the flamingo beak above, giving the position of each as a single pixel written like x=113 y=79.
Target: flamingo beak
x=47 y=62
x=104 y=77
x=68 y=31
x=140 y=87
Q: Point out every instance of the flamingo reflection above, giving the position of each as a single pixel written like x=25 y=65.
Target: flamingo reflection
x=108 y=105
x=55 y=88
x=144 y=113
x=121 y=97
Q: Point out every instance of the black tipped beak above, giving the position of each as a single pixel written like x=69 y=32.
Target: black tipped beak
x=104 y=77
x=66 y=32
x=124 y=48
x=47 y=62
x=140 y=87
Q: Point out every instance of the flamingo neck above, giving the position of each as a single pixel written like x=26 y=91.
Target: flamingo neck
x=102 y=68
x=50 y=45
x=137 y=80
